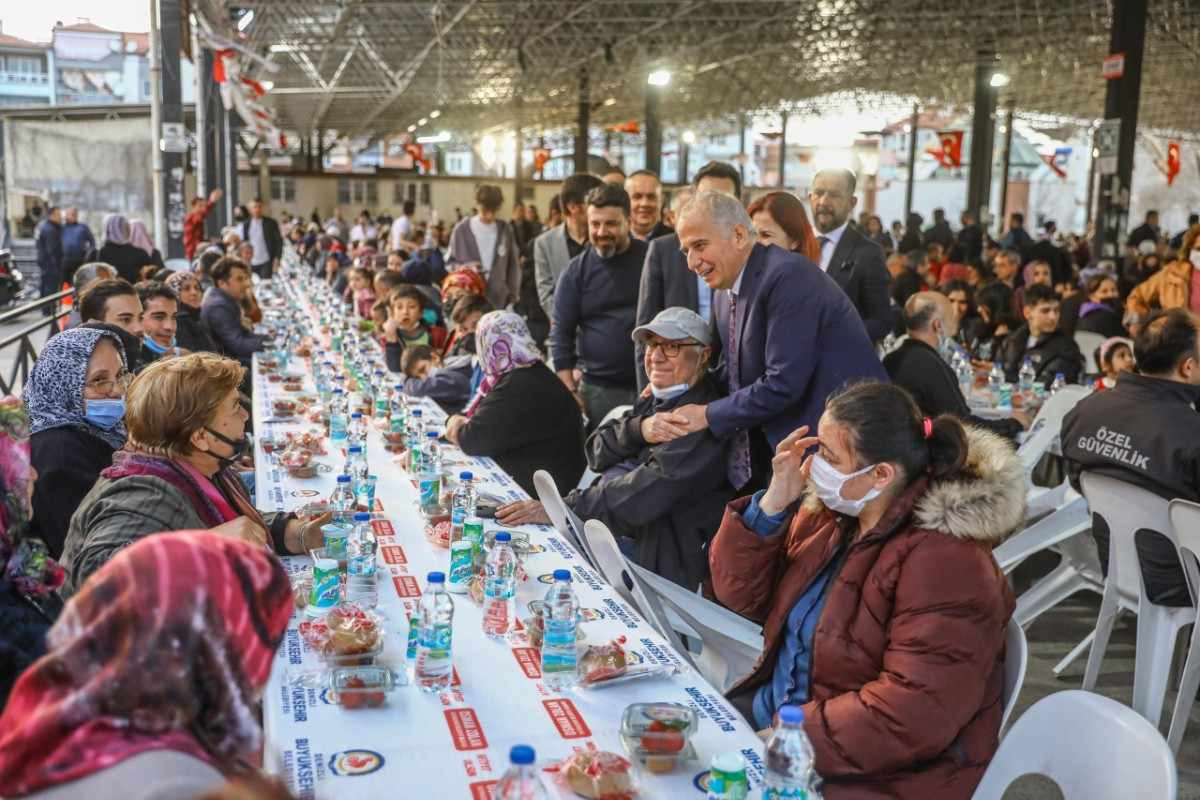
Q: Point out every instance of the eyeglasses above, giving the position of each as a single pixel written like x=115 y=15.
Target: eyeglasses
x=106 y=386
x=669 y=349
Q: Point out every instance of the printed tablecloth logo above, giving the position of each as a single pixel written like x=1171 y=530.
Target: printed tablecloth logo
x=465 y=729
x=529 y=660
x=304 y=493
x=383 y=527
x=567 y=719
x=393 y=554
x=406 y=586
x=482 y=790
x=355 y=762
x=591 y=614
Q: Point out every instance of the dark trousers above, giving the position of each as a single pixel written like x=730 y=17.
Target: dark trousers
x=264 y=270
x=598 y=400
x=48 y=283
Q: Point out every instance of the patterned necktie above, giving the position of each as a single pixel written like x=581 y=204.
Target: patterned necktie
x=823 y=240
x=737 y=469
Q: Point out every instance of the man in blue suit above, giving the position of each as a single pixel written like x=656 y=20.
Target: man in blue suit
x=790 y=337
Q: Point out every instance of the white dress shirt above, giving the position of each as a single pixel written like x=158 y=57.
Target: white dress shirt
x=829 y=242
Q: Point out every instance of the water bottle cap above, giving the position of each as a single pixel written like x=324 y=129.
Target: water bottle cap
x=791 y=715
x=729 y=762
x=356 y=448
x=1058 y=375
x=465 y=476
x=378 y=372
x=338 y=391
x=399 y=387
x=416 y=412
x=343 y=478
x=561 y=574
x=356 y=415
x=522 y=755
x=431 y=434
x=503 y=536
x=435 y=577
x=362 y=516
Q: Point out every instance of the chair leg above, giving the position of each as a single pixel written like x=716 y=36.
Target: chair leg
x=1075 y=653
x=1188 y=685
x=1156 y=634
x=1109 y=609
x=1061 y=582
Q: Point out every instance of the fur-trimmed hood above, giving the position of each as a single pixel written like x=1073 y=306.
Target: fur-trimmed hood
x=986 y=502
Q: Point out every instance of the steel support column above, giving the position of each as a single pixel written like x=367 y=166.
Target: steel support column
x=1005 y=159
x=783 y=120
x=1121 y=103
x=584 y=122
x=742 y=147
x=171 y=95
x=653 y=129
x=913 y=131
x=983 y=132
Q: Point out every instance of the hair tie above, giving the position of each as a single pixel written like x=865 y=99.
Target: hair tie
x=927 y=424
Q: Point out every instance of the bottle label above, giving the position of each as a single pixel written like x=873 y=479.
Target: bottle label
x=558 y=646
x=785 y=793
x=414 y=627
x=499 y=588
x=435 y=641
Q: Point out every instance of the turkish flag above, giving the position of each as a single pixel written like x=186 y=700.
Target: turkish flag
x=950 y=153
x=540 y=157
x=1172 y=161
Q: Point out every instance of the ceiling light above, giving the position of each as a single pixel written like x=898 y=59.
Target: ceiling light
x=659 y=77
x=267 y=85
x=435 y=113
x=422 y=121
x=412 y=128
x=282 y=48
x=999 y=80
x=444 y=136
x=689 y=137
x=245 y=19
x=612 y=101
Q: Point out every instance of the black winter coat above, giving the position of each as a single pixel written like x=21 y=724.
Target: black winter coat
x=23 y=625
x=192 y=333
x=68 y=462
x=1053 y=353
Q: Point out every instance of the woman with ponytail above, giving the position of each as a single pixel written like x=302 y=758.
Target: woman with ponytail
x=868 y=559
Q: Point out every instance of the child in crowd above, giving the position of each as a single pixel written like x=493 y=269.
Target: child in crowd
x=360 y=292
x=464 y=314
x=1114 y=357
x=425 y=375
x=406 y=325
x=379 y=315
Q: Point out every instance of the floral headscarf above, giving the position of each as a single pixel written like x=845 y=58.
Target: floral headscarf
x=24 y=562
x=139 y=237
x=117 y=229
x=502 y=344
x=166 y=647
x=54 y=393
x=465 y=278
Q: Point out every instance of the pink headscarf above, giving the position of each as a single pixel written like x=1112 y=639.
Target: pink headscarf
x=139 y=237
x=503 y=343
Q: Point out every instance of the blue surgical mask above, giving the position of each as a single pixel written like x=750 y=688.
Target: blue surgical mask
x=669 y=393
x=154 y=346
x=430 y=316
x=104 y=414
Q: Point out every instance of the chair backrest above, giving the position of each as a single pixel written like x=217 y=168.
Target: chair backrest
x=560 y=516
x=1047 y=425
x=1088 y=744
x=1185 y=533
x=616 y=413
x=1016 y=658
x=1126 y=509
x=612 y=565
x=1088 y=342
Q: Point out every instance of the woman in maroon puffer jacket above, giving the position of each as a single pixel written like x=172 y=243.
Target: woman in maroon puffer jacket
x=884 y=612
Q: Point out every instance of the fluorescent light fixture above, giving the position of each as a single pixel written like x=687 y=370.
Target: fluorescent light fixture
x=282 y=48
x=245 y=19
x=999 y=80
x=444 y=136
x=659 y=77
x=612 y=101
x=422 y=121
x=435 y=113
x=412 y=128
x=268 y=85
x=689 y=137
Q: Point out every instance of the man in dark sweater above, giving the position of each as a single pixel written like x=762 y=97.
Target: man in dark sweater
x=917 y=365
x=595 y=308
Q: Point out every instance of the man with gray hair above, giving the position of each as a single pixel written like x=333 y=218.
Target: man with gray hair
x=790 y=338
x=850 y=258
x=918 y=366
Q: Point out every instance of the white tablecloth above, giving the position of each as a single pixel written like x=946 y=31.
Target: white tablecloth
x=455 y=744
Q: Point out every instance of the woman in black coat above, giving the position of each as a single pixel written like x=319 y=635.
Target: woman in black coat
x=75 y=402
x=119 y=251
x=1101 y=313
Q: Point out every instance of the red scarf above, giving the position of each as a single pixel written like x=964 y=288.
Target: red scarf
x=166 y=647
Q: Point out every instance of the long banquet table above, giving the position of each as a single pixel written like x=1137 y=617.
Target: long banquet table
x=455 y=744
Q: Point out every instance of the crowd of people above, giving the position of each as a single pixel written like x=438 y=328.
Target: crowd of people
x=761 y=392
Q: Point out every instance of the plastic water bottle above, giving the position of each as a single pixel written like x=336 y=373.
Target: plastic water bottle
x=559 y=658
x=499 y=587
x=416 y=430
x=966 y=377
x=1059 y=383
x=339 y=419
x=433 y=646
x=362 y=586
x=462 y=505
x=357 y=431
x=431 y=455
x=995 y=379
x=521 y=781
x=789 y=758
x=341 y=502
x=1026 y=377
x=383 y=399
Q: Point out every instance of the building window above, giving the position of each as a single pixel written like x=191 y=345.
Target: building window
x=283 y=189
x=358 y=192
x=426 y=199
x=397 y=193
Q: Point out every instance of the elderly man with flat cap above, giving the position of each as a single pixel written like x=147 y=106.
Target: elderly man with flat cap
x=662 y=499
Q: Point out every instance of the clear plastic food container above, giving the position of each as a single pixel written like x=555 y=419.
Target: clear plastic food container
x=659 y=735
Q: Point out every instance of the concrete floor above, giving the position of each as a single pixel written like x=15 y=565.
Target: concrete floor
x=1051 y=637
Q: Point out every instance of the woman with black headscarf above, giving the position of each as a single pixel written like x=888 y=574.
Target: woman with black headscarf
x=119 y=251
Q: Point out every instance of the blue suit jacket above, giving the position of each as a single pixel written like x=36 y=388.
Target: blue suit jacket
x=801 y=339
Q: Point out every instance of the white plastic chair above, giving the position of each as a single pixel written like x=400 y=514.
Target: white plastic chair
x=1088 y=342
x=615 y=569
x=1185 y=532
x=1127 y=509
x=560 y=515
x=730 y=644
x=1089 y=745
x=1016 y=659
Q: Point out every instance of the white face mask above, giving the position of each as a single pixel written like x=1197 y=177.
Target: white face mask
x=828 y=483
x=669 y=393
x=1195 y=258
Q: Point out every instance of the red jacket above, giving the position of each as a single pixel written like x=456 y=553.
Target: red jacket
x=908 y=655
x=193 y=229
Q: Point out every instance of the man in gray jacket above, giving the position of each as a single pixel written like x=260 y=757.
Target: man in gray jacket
x=222 y=311
x=487 y=244
x=555 y=248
